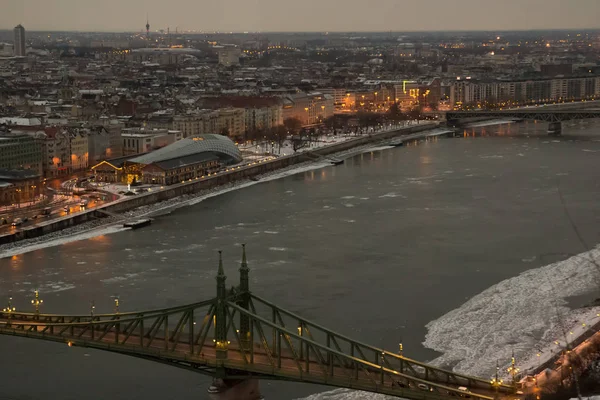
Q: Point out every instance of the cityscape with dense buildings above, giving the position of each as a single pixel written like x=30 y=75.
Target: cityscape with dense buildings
x=72 y=100
x=453 y=168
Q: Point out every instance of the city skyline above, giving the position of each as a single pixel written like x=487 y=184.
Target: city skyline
x=309 y=15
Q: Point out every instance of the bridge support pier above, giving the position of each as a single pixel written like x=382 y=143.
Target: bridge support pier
x=555 y=128
x=227 y=389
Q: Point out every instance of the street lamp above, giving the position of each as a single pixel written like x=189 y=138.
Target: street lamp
x=496 y=381
x=513 y=370
x=37 y=301
x=9 y=309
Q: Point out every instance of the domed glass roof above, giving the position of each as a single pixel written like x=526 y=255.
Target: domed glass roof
x=218 y=144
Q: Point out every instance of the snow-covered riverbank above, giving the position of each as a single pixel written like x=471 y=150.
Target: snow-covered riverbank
x=527 y=314
x=113 y=225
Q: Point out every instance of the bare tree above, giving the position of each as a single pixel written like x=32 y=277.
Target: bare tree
x=293 y=125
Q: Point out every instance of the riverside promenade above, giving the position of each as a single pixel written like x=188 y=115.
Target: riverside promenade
x=228 y=176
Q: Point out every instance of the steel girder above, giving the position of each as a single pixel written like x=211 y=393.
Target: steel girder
x=327 y=348
x=277 y=344
x=539 y=115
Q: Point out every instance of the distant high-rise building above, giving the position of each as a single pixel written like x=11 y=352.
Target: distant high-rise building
x=19 y=48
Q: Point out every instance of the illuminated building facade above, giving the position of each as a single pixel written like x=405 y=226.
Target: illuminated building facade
x=475 y=93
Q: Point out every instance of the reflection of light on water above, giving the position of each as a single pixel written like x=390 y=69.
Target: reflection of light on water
x=425 y=160
x=101 y=238
x=16 y=261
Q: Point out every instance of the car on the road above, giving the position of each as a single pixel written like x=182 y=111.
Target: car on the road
x=423 y=386
x=47 y=211
x=466 y=393
x=17 y=222
x=66 y=209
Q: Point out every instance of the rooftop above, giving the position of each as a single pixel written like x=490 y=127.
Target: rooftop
x=17 y=174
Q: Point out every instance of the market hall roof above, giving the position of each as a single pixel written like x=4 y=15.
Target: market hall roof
x=217 y=144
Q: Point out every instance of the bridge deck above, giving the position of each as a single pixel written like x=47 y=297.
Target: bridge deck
x=537 y=113
x=239 y=335
x=204 y=359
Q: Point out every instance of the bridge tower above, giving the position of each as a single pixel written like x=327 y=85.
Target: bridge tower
x=244 y=302
x=221 y=343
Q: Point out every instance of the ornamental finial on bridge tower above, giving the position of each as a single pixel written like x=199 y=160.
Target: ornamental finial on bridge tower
x=244 y=262
x=221 y=289
x=221 y=271
x=244 y=270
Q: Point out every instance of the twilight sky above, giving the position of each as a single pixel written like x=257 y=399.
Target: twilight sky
x=299 y=15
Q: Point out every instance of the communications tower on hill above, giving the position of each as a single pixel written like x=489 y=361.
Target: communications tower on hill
x=147 y=27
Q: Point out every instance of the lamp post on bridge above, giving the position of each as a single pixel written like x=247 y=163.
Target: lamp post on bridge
x=496 y=381
x=37 y=302
x=92 y=309
x=9 y=309
x=513 y=371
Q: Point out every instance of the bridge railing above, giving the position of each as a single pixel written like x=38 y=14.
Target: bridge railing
x=372 y=354
x=168 y=328
x=29 y=316
x=285 y=350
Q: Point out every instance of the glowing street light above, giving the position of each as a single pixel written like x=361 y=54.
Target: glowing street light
x=9 y=309
x=496 y=381
x=513 y=370
x=37 y=302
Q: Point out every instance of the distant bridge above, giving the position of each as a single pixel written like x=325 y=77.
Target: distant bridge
x=239 y=338
x=553 y=116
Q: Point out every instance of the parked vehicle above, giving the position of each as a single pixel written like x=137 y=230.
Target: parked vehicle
x=17 y=222
x=466 y=393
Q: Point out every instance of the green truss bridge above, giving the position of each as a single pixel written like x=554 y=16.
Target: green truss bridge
x=553 y=116
x=239 y=338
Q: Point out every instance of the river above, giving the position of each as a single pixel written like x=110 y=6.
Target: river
x=375 y=248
